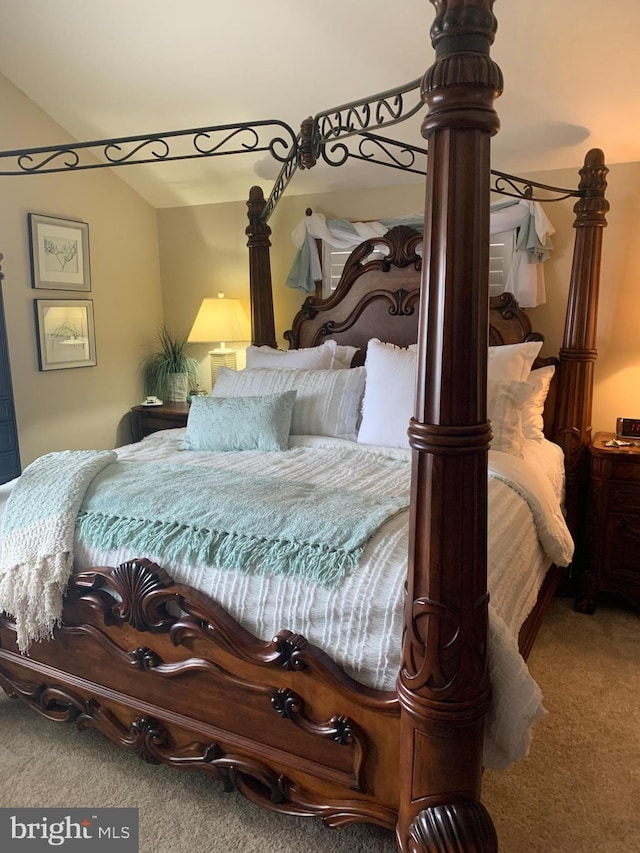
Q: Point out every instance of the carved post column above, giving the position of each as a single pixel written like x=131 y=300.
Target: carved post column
x=572 y=426
x=443 y=685
x=262 y=320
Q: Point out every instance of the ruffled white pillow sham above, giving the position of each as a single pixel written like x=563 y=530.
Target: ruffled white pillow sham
x=512 y=361
x=505 y=401
x=390 y=391
x=533 y=412
x=389 y=394
x=329 y=355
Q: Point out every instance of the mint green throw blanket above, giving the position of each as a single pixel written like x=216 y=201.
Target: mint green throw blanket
x=38 y=537
x=191 y=514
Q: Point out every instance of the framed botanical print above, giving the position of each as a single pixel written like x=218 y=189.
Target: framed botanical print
x=59 y=250
x=66 y=333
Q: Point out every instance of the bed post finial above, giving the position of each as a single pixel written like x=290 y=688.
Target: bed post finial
x=572 y=422
x=443 y=685
x=263 y=331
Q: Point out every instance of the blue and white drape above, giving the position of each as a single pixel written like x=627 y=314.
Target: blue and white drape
x=527 y=218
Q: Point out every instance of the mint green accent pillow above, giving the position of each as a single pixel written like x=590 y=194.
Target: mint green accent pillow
x=240 y=423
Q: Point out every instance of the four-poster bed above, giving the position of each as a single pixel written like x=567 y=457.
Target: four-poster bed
x=163 y=669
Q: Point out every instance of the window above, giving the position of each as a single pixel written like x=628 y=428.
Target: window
x=333 y=261
x=501 y=249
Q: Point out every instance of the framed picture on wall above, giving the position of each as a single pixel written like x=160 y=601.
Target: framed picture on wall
x=66 y=333
x=59 y=250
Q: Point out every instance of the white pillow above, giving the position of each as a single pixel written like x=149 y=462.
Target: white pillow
x=505 y=402
x=327 y=401
x=342 y=355
x=313 y=358
x=389 y=395
x=328 y=355
x=533 y=412
x=512 y=361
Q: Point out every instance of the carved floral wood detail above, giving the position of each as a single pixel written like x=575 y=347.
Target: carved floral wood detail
x=157 y=604
x=339 y=729
x=152 y=741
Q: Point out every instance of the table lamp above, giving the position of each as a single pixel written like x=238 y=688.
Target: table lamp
x=220 y=319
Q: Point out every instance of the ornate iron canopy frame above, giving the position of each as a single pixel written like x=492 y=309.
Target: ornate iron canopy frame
x=333 y=136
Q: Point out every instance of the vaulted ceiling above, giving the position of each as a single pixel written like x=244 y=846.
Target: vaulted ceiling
x=127 y=67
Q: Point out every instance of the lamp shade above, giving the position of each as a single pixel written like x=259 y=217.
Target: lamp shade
x=220 y=319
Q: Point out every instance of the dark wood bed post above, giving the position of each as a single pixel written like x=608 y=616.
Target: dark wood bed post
x=572 y=422
x=263 y=332
x=443 y=685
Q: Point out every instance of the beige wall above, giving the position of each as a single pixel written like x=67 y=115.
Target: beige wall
x=203 y=250
x=82 y=407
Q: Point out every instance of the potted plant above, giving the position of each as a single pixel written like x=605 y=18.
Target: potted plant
x=169 y=372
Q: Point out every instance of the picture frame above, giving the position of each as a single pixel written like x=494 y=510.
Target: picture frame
x=59 y=253
x=65 y=333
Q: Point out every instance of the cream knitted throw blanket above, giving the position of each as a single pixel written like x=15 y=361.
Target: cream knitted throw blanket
x=37 y=538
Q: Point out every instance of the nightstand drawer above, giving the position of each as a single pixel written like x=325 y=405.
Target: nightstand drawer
x=153 y=423
x=623 y=537
x=611 y=464
x=148 y=419
x=624 y=499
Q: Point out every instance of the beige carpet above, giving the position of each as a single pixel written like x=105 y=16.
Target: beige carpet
x=578 y=792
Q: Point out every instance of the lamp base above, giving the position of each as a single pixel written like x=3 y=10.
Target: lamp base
x=221 y=358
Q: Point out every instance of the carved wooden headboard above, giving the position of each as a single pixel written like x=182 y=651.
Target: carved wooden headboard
x=379 y=299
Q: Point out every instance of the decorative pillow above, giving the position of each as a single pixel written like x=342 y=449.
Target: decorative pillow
x=389 y=395
x=512 y=361
x=239 y=423
x=342 y=355
x=533 y=412
x=327 y=355
x=312 y=358
x=327 y=401
x=505 y=402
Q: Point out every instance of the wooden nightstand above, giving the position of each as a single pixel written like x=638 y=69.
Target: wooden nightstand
x=613 y=526
x=148 y=419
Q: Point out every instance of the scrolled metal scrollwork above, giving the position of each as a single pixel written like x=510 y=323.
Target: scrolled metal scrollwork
x=514 y=187
x=117 y=155
x=381 y=110
x=27 y=163
x=380 y=150
x=288 y=170
x=194 y=143
x=400 y=155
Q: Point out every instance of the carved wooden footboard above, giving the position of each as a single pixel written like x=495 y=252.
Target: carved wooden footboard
x=165 y=672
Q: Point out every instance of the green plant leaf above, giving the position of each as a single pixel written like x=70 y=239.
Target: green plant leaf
x=171 y=356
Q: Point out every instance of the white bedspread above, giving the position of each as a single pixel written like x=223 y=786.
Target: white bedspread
x=359 y=624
